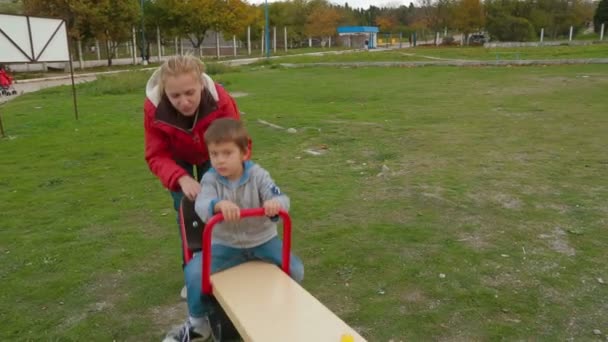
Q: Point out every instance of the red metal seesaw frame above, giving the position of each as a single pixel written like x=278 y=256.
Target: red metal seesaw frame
x=206 y=243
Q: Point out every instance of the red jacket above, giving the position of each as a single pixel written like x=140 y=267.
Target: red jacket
x=5 y=79
x=169 y=136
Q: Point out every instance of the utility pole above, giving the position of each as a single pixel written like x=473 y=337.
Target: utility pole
x=267 y=32
x=144 y=61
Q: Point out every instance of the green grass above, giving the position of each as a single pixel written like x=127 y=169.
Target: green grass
x=210 y=60
x=466 y=53
x=497 y=180
x=52 y=73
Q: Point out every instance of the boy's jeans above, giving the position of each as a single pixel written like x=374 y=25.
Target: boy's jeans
x=224 y=257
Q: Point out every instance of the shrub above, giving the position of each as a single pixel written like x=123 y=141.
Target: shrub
x=511 y=29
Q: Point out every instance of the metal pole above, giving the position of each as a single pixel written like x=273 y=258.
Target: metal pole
x=80 y=58
x=248 y=40
x=267 y=32
x=285 y=35
x=72 y=77
x=97 y=49
x=133 y=51
x=74 y=90
x=1 y=127
x=158 y=44
x=542 y=34
x=144 y=60
x=217 y=44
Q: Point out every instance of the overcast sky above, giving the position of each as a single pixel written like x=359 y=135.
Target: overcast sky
x=358 y=3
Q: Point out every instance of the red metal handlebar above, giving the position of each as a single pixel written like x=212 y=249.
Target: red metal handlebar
x=206 y=271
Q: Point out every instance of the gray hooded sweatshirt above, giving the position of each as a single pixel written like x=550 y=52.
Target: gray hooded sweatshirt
x=251 y=191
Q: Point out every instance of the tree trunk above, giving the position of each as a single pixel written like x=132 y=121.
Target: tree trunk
x=109 y=53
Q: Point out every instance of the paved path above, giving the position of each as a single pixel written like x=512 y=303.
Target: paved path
x=37 y=84
x=32 y=85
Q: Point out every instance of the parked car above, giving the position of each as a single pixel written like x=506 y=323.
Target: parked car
x=478 y=39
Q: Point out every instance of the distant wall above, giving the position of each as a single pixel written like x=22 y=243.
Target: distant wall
x=545 y=43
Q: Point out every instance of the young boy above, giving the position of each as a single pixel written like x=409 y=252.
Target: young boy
x=233 y=183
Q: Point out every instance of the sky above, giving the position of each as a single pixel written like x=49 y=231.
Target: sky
x=357 y=3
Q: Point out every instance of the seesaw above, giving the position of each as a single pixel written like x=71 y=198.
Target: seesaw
x=259 y=299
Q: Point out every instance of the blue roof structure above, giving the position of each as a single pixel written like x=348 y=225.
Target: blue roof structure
x=357 y=29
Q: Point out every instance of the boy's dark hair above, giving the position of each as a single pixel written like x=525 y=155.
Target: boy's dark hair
x=227 y=130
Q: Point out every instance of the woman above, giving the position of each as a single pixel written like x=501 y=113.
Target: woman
x=181 y=102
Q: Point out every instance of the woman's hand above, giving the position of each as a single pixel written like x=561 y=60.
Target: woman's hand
x=231 y=211
x=190 y=187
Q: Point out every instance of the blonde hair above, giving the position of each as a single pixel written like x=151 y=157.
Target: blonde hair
x=179 y=65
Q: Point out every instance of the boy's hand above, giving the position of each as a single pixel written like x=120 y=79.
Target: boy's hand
x=231 y=211
x=272 y=207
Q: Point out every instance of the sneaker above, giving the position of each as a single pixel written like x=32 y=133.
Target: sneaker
x=187 y=333
x=184 y=293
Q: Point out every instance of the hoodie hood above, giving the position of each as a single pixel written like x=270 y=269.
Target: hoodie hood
x=153 y=94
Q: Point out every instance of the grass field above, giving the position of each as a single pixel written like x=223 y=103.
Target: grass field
x=464 y=53
x=450 y=203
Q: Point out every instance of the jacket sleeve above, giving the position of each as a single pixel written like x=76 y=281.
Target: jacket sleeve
x=228 y=106
x=207 y=198
x=157 y=152
x=269 y=190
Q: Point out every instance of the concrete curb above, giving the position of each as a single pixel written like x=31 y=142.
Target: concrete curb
x=463 y=63
x=88 y=74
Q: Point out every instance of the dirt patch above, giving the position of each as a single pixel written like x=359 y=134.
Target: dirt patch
x=415 y=296
x=238 y=94
x=109 y=289
x=507 y=201
x=475 y=241
x=434 y=193
x=558 y=241
x=350 y=123
x=504 y=200
x=168 y=315
x=560 y=208
x=502 y=279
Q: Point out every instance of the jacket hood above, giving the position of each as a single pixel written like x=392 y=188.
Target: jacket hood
x=152 y=87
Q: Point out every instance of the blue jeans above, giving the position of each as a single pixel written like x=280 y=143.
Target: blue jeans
x=223 y=257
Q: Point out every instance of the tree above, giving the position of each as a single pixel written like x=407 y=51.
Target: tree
x=153 y=15
x=229 y=16
x=11 y=7
x=253 y=17
x=190 y=19
x=108 y=20
x=387 y=23
x=601 y=15
x=510 y=28
x=73 y=12
x=322 y=21
x=292 y=15
x=469 y=16
x=112 y=22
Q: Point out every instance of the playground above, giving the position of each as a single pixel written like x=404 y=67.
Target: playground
x=437 y=203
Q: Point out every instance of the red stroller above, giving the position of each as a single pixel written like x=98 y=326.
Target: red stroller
x=6 y=83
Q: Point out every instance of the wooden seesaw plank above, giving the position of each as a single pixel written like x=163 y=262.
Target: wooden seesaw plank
x=266 y=305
